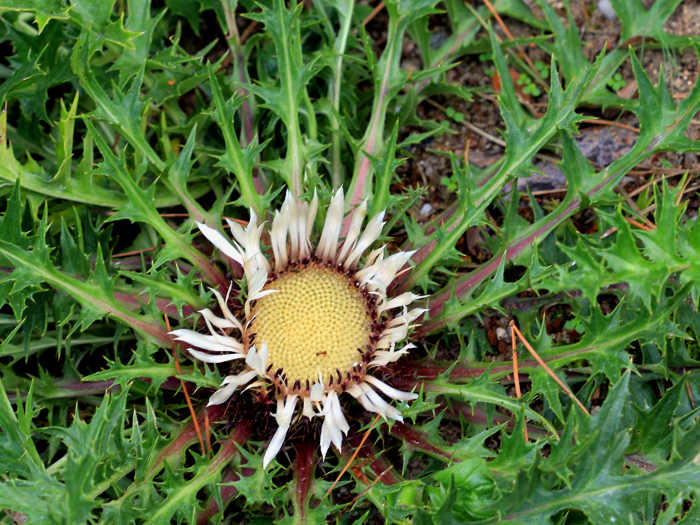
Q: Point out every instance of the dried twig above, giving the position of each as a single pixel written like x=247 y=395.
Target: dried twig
x=516 y=377
x=539 y=360
x=374 y=13
x=187 y=394
x=352 y=458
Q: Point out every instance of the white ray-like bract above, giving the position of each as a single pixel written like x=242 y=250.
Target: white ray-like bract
x=334 y=423
x=230 y=338
x=384 y=357
x=229 y=386
x=285 y=410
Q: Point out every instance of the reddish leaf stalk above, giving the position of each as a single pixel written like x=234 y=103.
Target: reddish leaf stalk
x=465 y=284
x=479 y=417
x=227 y=493
x=152 y=329
x=413 y=373
x=378 y=464
x=304 y=467
x=186 y=436
x=234 y=43
x=370 y=148
x=371 y=145
x=73 y=389
x=417 y=439
x=424 y=251
x=211 y=274
x=229 y=449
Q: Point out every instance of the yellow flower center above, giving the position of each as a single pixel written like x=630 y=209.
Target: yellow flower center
x=316 y=321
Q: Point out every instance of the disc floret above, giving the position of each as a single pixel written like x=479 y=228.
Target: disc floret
x=318 y=323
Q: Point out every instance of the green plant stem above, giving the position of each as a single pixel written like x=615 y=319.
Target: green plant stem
x=338 y=169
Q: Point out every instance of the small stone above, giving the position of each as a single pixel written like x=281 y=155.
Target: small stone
x=605 y=7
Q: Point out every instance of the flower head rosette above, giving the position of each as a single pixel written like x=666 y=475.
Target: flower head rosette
x=317 y=321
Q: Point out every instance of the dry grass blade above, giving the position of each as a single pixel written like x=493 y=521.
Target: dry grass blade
x=519 y=50
x=374 y=13
x=134 y=252
x=639 y=224
x=187 y=394
x=604 y=122
x=680 y=193
x=248 y=31
x=353 y=457
x=367 y=489
x=539 y=360
x=207 y=430
x=516 y=375
x=634 y=207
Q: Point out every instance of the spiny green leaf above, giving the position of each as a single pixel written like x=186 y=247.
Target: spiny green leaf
x=235 y=159
x=598 y=488
x=258 y=487
x=82 y=187
x=139 y=29
x=568 y=49
x=43 y=10
x=64 y=144
x=287 y=99
x=656 y=424
x=123 y=110
x=636 y=20
x=96 y=302
x=95 y=18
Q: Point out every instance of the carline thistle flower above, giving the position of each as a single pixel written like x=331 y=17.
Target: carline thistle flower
x=317 y=322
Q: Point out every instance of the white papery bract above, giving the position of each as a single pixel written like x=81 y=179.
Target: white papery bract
x=315 y=320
